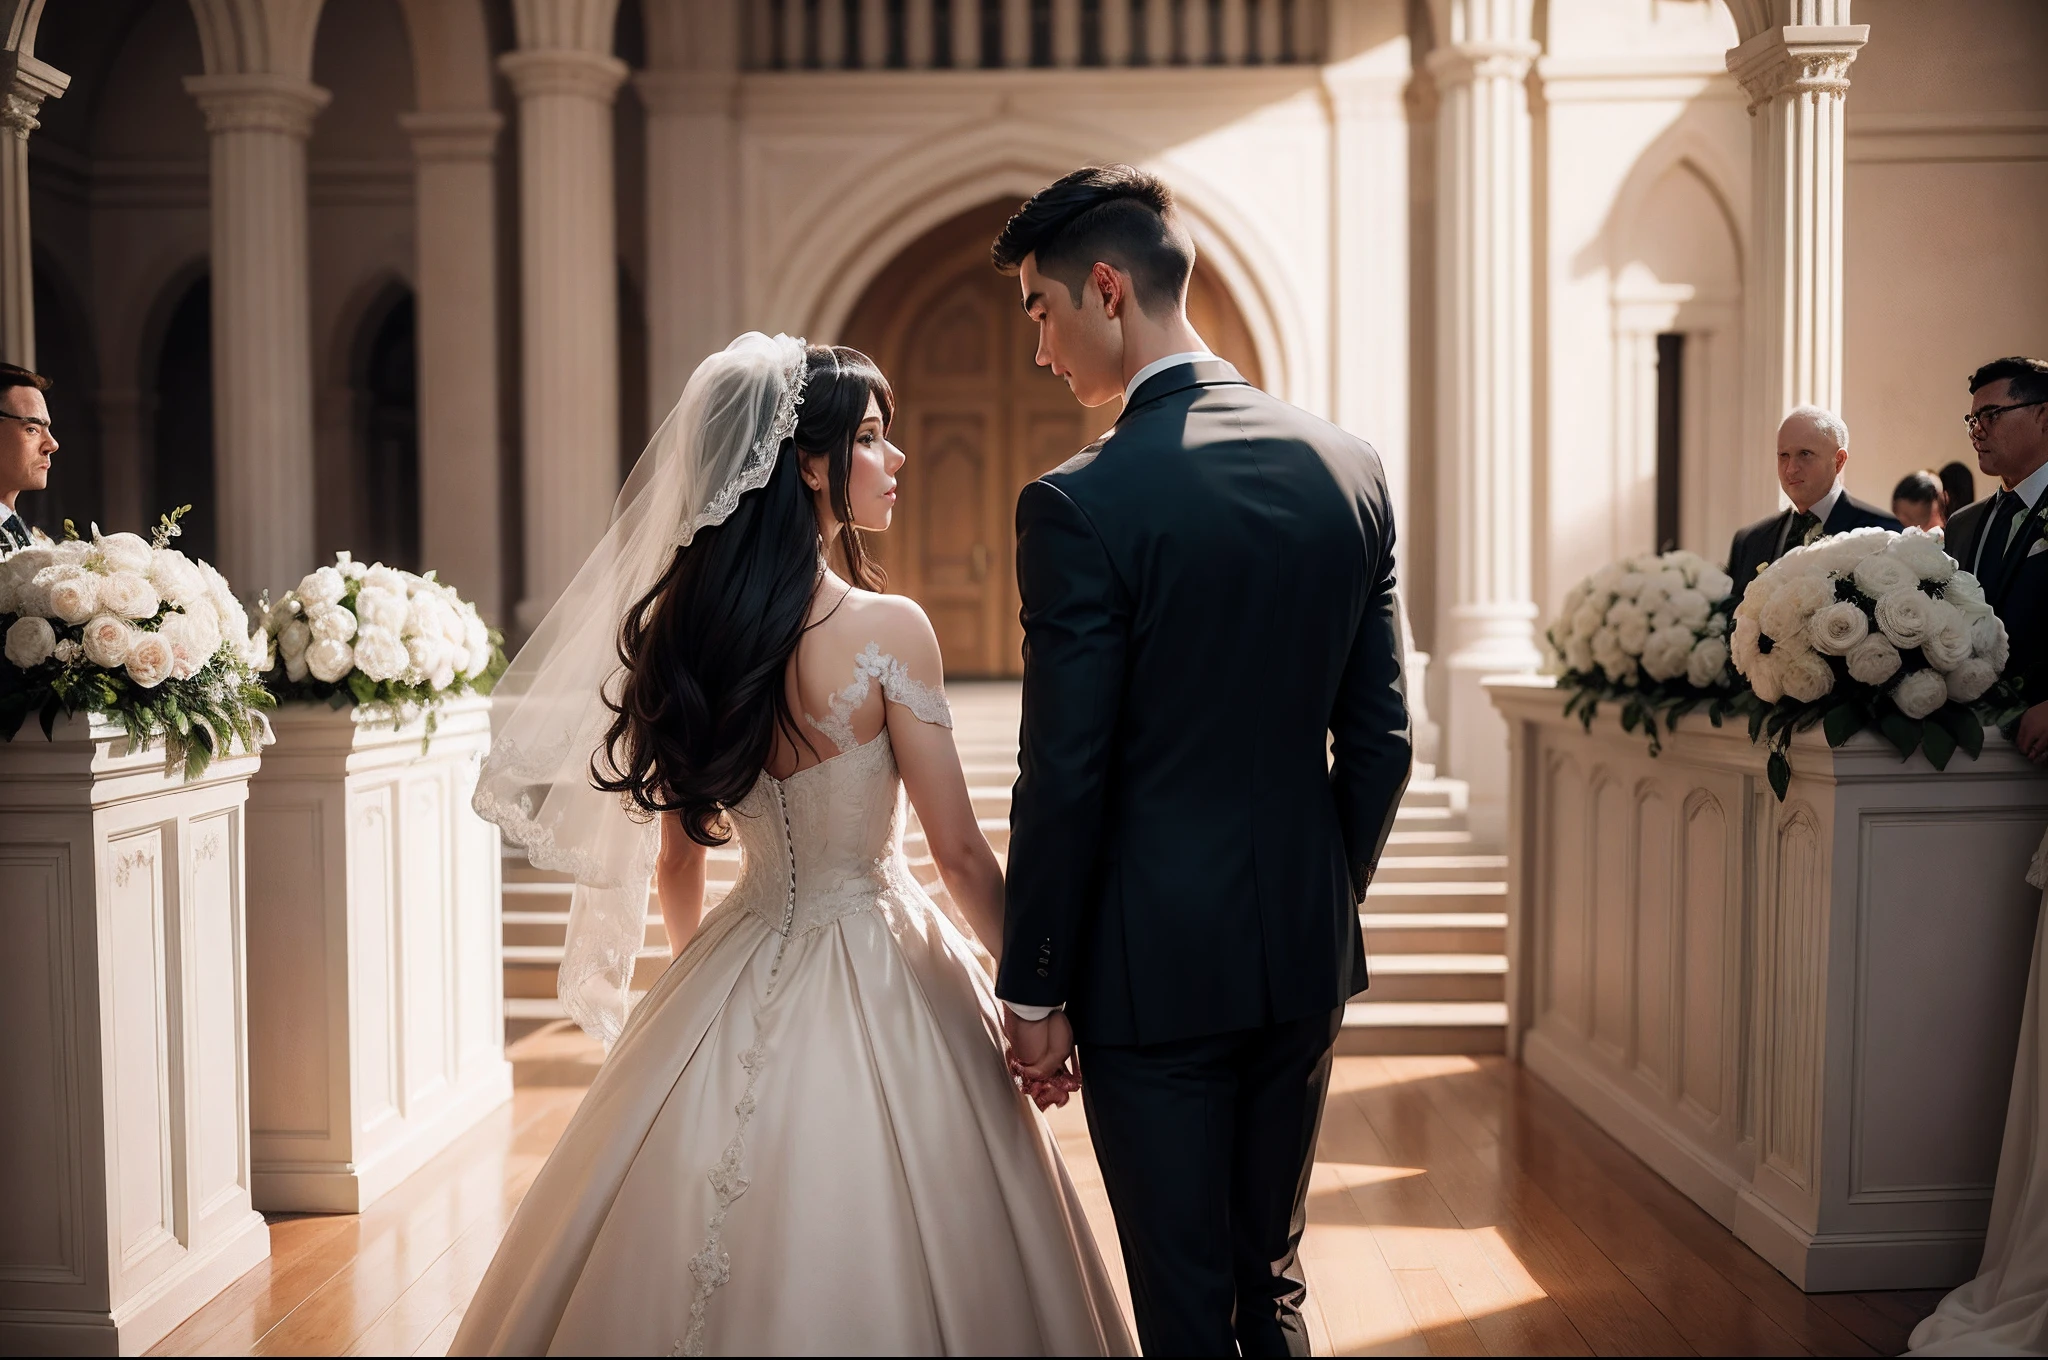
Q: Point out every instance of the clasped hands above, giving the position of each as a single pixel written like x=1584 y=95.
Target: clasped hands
x=1042 y=1058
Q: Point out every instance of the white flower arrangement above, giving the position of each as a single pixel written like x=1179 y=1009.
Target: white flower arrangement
x=1650 y=632
x=371 y=635
x=135 y=630
x=1871 y=628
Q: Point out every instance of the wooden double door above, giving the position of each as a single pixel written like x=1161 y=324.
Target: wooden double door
x=977 y=420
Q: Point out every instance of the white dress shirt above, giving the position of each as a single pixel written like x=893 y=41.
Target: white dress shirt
x=1820 y=510
x=1138 y=379
x=2029 y=490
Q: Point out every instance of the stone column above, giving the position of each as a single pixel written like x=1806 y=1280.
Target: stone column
x=1797 y=79
x=262 y=331
x=1483 y=372
x=24 y=84
x=125 y=413
x=693 y=246
x=458 y=350
x=569 y=322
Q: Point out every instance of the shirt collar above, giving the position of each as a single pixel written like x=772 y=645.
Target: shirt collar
x=2031 y=487
x=1825 y=506
x=1158 y=366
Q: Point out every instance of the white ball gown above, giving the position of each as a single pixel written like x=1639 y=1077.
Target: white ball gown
x=806 y=1139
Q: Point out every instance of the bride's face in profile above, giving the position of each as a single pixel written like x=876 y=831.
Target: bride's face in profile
x=870 y=477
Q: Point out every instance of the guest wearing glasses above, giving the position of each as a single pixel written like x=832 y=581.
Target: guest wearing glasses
x=1813 y=448
x=25 y=448
x=2003 y=539
x=1918 y=501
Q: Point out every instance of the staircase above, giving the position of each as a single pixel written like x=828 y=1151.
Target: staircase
x=1435 y=918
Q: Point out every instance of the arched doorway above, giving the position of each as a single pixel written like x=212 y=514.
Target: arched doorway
x=978 y=419
x=388 y=433
x=183 y=466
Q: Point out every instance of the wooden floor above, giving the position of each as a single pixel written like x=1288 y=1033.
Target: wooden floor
x=1458 y=1207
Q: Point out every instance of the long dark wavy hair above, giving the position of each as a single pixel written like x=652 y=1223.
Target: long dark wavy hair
x=702 y=695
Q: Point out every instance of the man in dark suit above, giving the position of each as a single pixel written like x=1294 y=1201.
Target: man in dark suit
x=1813 y=448
x=25 y=448
x=2003 y=539
x=1208 y=607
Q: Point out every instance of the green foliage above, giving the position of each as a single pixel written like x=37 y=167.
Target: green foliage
x=1852 y=709
x=1653 y=707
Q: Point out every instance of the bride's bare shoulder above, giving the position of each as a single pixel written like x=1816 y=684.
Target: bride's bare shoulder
x=896 y=624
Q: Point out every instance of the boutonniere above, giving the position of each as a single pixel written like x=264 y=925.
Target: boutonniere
x=2037 y=525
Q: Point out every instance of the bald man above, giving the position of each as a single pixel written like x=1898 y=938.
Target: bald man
x=1813 y=448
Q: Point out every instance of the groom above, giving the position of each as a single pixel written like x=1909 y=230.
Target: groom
x=1208 y=597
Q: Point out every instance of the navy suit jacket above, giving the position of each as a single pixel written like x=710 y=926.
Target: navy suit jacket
x=2016 y=587
x=1759 y=545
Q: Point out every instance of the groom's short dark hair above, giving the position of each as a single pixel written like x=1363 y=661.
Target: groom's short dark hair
x=1112 y=213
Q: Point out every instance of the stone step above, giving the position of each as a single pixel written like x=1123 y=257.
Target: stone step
x=1434 y=932
x=1414 y=840
x=1410 y=818
x=1418 y=868
x=1423 y=1027
x=1449 y=896
x=1436 y=793
x=1437 y=977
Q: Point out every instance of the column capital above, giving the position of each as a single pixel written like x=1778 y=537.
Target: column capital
x=682 y=93
x=1469 y=62
x=564 y=70
x=1797 y=59
x=452 y=134
x=258 y=102
x=24 y=84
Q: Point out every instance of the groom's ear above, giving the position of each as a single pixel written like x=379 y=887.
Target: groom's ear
x=1110 y=286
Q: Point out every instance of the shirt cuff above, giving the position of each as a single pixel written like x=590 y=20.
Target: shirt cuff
x=1033 y=1013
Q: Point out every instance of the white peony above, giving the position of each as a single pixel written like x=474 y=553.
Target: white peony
x=150 y=659
x=328 y=660
x=30 y=641
x=1578 y=656
x=1923 y=555
x=380 y=655
x=1904 y=615
x=75 y=597
x=1873 y=660
x=378 y=608
x=331 y=623
x=476 y=640
x=381 y=577
x=425 y=654
x=1631 y=625
x=1881 y=573
x=129 y=594
x=72 y=552
x=124 y=552
x=1920 y=692
x=175 y=578
x=194 y=638
x=1715 y=584
x=324 y=586
x=444 y=674
x=1690 y=607
x=1707 y=662
x=294 y=638
x=1835 y=629
x=1807 y=675
x=1785 y=612
x=1989 y=641
x=1586 y=621
x=1948 y=636
x=107 y=640
x=1970 y=679
x=1742 y=645
x=1766 y=676
x=67 y=651
x=1963 y=590
x=1667 y=651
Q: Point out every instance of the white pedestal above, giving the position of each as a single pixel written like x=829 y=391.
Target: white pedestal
x=376 y=996
x=124 y=1146
x=1802 y=1014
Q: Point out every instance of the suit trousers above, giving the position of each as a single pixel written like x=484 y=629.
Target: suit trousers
x=1205 y=1147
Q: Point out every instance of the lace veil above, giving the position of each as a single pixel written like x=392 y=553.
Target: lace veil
x=547 y=713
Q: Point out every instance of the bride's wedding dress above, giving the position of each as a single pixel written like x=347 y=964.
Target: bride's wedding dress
x=805 y=1139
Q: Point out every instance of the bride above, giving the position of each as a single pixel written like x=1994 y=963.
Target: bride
x=805 y=1138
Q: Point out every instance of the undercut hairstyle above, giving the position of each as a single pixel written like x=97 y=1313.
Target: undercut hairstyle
x=1826 y=421
x=14 y=375
x=1920 y=488
x=1959 y=483
x=1114 y=214
x=2029 y=377
x=704 y=655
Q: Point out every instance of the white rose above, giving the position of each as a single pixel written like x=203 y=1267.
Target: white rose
x=380 y=655
x=194 y=638
x=425 y=655
x=72 y=552
x=1715 y=584
x=1604 y=580
x=1667 y=651
x=1920 y=692
x=294 y=638
x=1922 y=554
x=376 y=608
x=1873 y=660
x=331 y=623
x=1948 y=636
x=381 y=577
x=1631 y=625
x=328 y=659
x=1715 y=626
x=1578 y=656
x=67 y=651
x=1691 y=607
x=149 y=659
x=1785 y=616
x=1586 y=621
x=75 y=598
x=1766 y=675
x=1807 y=674
x=1904 y=615
x=1706 y=663
x=107 y=640
x=1881 y=573
x=476 y=640
x=1743 y=644
x=1989 y=641
x=175 y=578
x=124 y=552
x=295 y=668
x=324 y=586
x=1606 y=649
x=129 y=594
x=30 y=642
x=1963 y=590
x=1837 y=628
x=1970 y=679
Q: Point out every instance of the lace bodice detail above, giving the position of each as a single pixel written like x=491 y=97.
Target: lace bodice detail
x=925 y=703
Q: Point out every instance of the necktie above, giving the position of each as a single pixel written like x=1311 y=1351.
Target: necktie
x=2001 y=545
x=15 y=531
x=1805 y=528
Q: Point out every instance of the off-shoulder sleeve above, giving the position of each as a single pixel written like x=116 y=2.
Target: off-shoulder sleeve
x=927 y=703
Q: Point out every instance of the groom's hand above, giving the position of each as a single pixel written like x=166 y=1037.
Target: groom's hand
x=1038 y=1048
